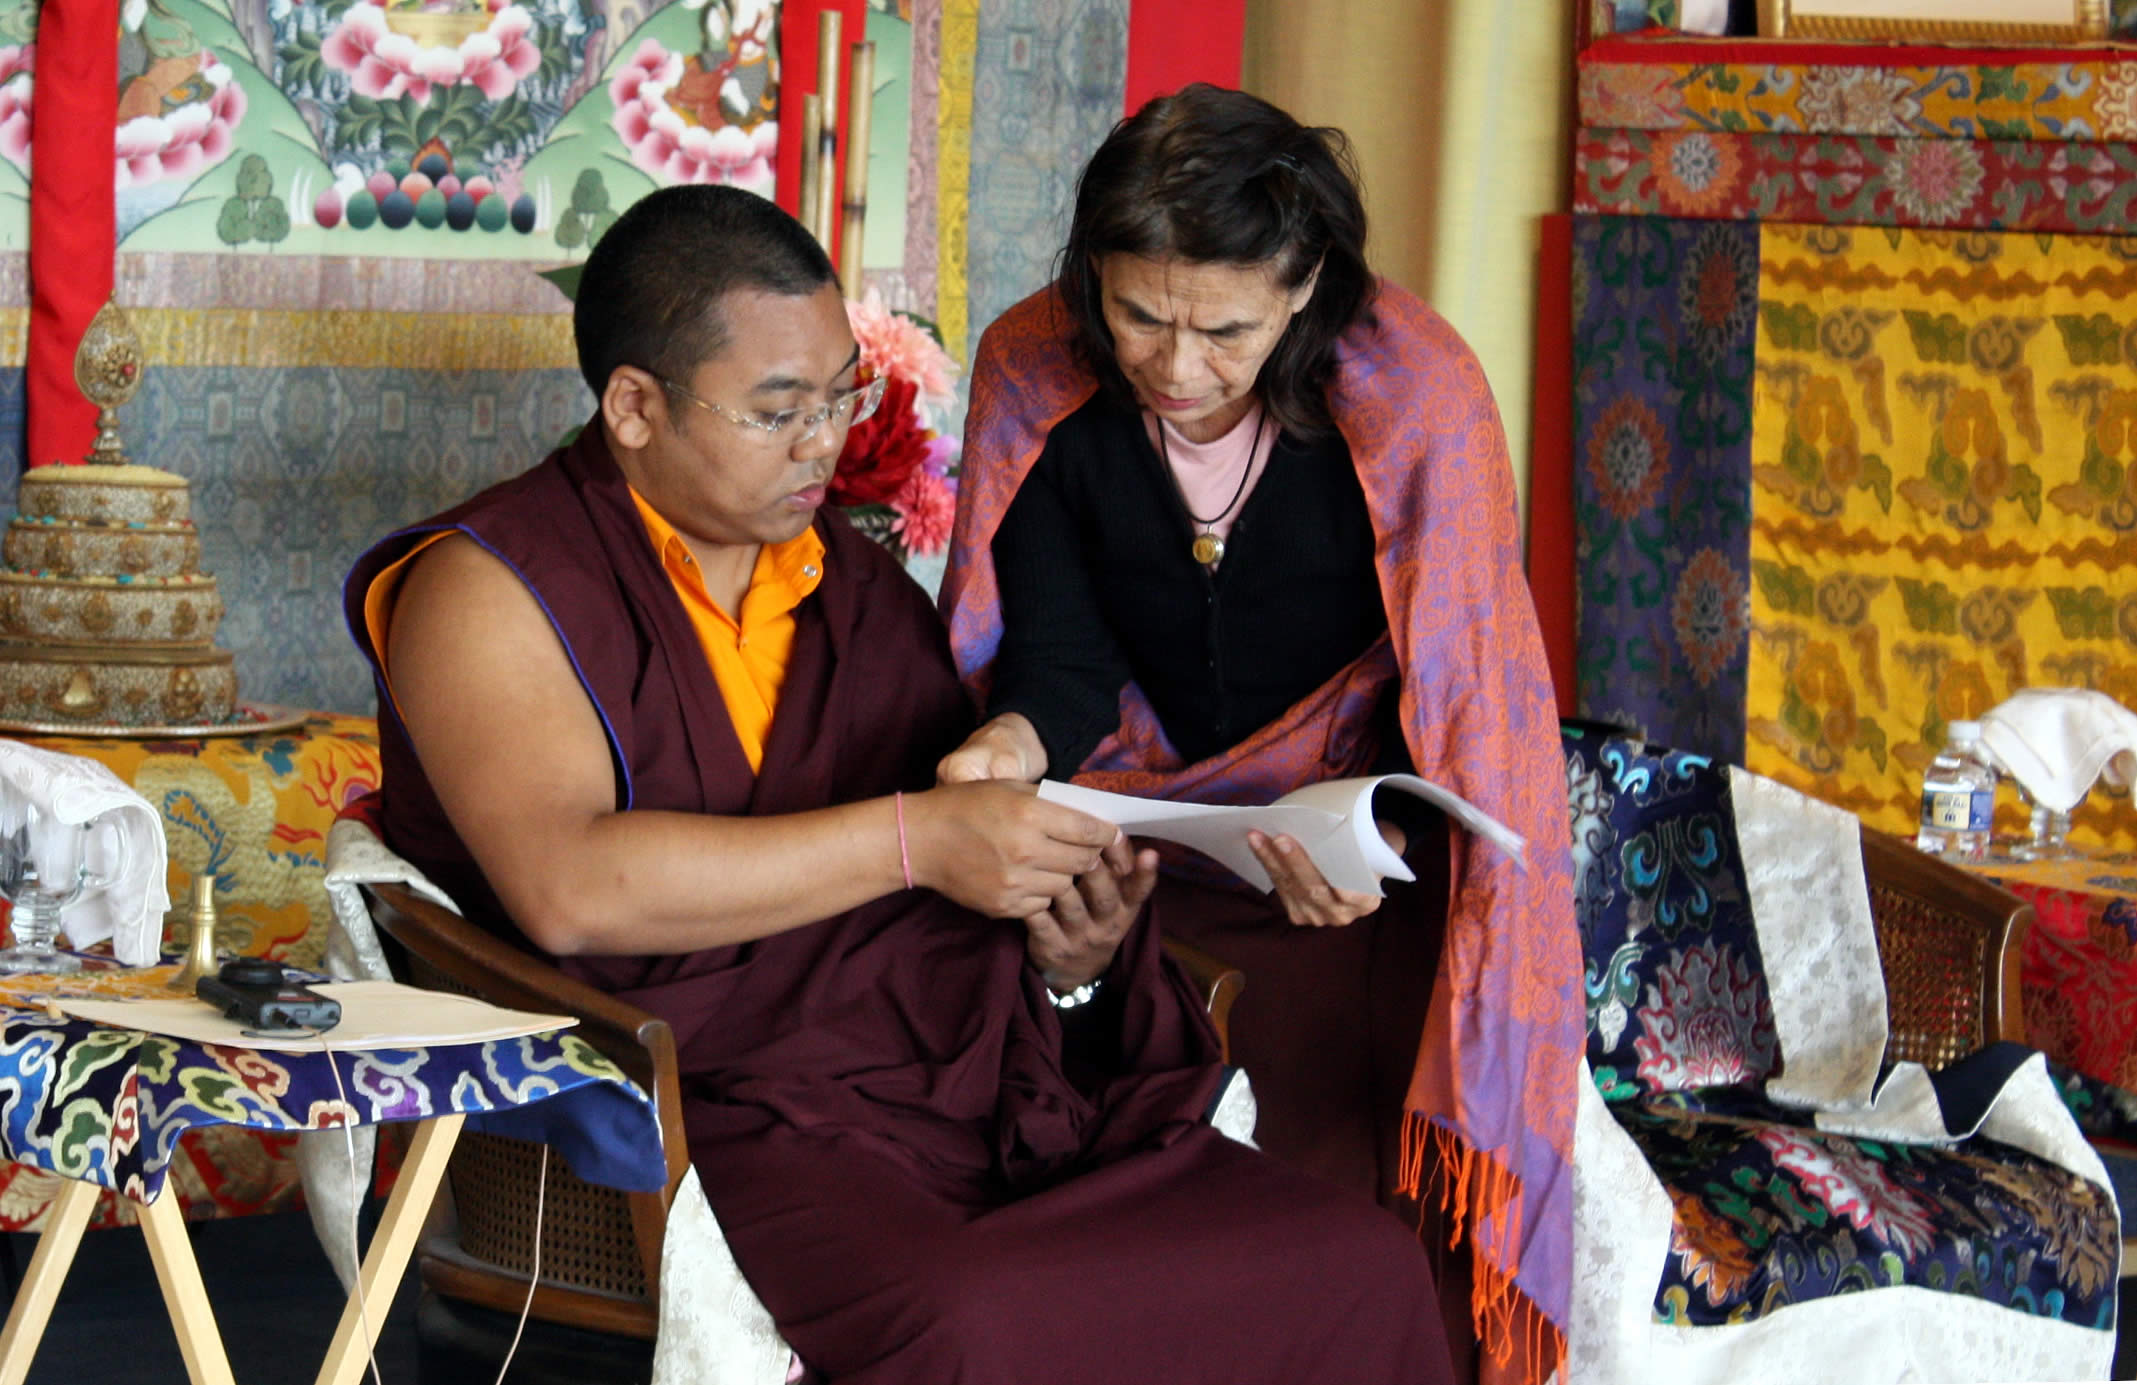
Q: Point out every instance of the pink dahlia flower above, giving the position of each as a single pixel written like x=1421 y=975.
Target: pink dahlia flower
x=925 y=506
x=895 y=346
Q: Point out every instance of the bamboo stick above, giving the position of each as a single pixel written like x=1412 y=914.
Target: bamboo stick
x=829 y=28
x=860 y=106
x=812 y=124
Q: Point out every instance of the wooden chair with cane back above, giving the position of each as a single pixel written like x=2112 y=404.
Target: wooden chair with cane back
x=600 y=1246
x=1949 y=942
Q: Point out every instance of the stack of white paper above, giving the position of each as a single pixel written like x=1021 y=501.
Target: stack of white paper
x=1332 y=821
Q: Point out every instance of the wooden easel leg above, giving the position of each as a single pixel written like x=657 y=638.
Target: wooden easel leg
x=183 y=1294
x=65 y=1220
x=391 y=1244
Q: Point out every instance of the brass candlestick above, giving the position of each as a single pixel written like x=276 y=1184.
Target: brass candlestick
x=200 y=947
x=107 y=368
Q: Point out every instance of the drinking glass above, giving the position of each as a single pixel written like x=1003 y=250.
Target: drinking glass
x=44 y=869
x=2048 y=836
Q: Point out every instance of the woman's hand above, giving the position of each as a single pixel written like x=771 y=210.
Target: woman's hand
x=999 y=848
x=1308 y=899
x=1005 y=748
x=1073 y=941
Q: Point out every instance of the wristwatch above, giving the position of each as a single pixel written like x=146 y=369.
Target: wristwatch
x=1082 y=995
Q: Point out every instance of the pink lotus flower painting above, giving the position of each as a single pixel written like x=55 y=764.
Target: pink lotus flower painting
x=669 y=138
x=384 y=64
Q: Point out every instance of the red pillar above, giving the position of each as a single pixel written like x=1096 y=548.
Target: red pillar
x=74 y=118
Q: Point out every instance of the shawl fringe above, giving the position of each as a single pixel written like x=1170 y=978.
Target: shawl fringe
x=1522 y=1346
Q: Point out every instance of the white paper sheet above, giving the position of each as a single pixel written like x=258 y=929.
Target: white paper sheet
x=374 y=1014
x=1333 y=821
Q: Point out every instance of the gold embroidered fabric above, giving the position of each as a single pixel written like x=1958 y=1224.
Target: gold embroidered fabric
x=953 y=164
x=1944 y=499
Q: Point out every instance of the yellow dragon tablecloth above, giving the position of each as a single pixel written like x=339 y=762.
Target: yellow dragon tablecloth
x=255 y=810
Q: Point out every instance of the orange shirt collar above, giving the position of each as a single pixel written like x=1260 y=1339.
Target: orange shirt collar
x=784 y=576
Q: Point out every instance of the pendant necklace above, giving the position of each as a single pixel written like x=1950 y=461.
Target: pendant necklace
x=1208 y=547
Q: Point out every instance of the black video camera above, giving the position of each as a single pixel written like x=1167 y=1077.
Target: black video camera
x=259 y=995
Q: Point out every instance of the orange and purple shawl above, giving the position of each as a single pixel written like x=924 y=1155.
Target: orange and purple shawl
x=1492 y=1096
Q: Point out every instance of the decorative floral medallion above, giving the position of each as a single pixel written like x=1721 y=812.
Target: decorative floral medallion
x=1628 y=455
x=1934 y=181
x=1697 y=172
x=1718 y=292
x=1849 y=1184
x=1707 y=1022
x=1859 y=101
x=1710 y=614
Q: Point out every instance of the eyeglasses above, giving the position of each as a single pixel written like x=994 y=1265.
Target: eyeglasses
x=854 y=406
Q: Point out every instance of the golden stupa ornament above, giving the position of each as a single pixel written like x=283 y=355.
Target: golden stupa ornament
x=107 y=367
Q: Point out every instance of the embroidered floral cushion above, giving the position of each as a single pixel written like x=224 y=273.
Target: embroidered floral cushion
x=1769 y=1214
x=1677 y=997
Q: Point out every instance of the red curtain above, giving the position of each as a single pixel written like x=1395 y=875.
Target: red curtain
x=73 y=216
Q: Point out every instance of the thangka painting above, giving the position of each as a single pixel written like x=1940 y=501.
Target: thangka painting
x=411 y=128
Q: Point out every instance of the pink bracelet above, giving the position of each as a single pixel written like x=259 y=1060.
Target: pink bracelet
x=905 y=859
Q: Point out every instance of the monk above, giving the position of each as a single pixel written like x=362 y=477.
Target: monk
x=650 y=711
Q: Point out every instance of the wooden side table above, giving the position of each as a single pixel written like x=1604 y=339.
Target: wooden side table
x=105 y=1108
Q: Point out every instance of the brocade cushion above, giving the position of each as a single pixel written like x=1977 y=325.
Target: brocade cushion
x=1770 y=1213
x=1676 y=989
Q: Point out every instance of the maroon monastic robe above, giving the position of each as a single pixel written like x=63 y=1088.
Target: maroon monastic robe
x=916 y=1176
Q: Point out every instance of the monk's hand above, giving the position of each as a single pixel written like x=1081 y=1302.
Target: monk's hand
x=1073 y=940
x=1308 y=899
x=1000 y=849
x=1005 y=748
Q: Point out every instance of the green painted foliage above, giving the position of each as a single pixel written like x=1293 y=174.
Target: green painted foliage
x=2026 y=490
x=2090 y=340
x=1871 y=738
x=1791 y=326
x=1787 y=589
x=1931 y=607
x=1877 y=479
x=2002 y=84
x=2083 y=613
x=1938 y=337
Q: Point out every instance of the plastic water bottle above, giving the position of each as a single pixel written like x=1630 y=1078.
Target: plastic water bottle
x=1958 y=797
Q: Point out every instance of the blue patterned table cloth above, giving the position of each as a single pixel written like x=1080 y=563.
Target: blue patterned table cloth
x=108 y=1105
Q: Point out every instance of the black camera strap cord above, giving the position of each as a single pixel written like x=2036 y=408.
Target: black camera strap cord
x=356 y=1278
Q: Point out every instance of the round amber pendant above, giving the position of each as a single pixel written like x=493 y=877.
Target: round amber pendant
x=1209 y=549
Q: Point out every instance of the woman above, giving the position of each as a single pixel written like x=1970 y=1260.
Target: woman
x=1237 y=517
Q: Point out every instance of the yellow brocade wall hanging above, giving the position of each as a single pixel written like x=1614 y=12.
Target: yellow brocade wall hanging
x=1944 y=498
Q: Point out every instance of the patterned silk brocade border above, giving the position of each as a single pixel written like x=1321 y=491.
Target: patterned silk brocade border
x=1663 y=315
x=1944 y=478
x=953 y=164
x=2075 y=95
x=2009 y=185
x=922 y=257
x=352 y=340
